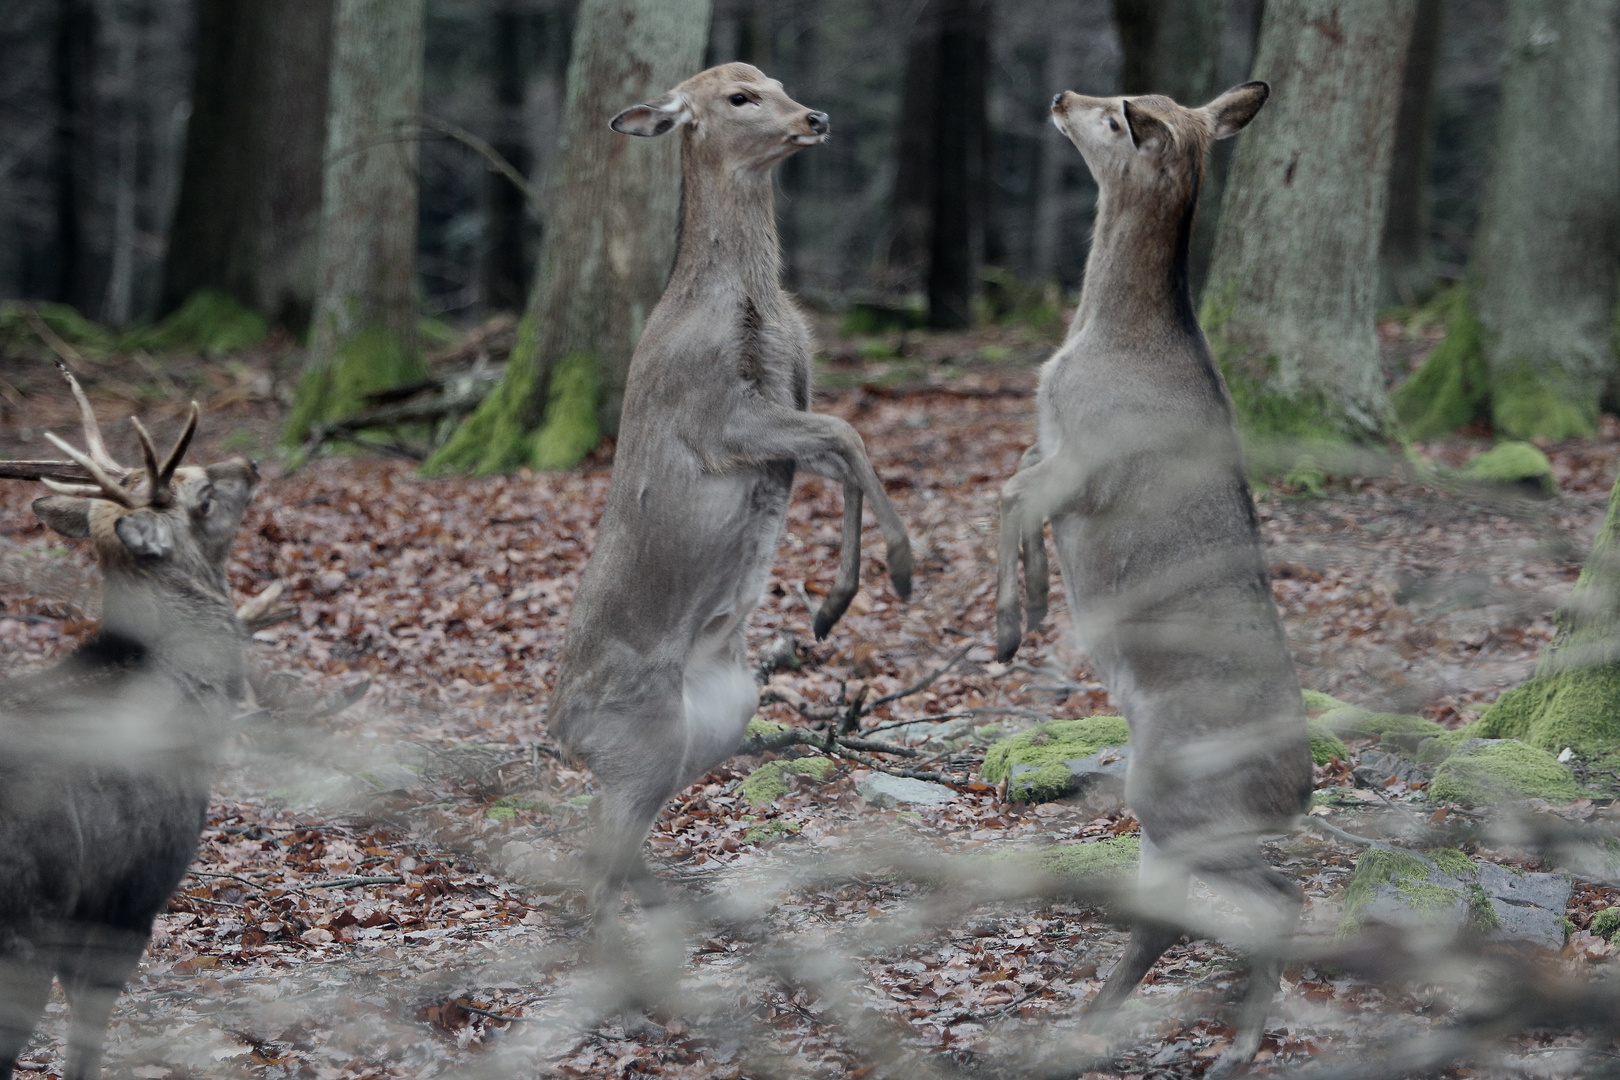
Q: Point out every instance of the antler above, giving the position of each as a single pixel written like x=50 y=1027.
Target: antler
x=160 y=476
x=107 y=487
x=92 y=430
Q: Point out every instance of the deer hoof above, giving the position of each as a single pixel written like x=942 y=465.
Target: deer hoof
x=1008 y=635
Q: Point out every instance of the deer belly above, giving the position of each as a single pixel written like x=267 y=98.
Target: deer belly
x=718 y=696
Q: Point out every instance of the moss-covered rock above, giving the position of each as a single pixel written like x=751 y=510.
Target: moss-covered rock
x=1325 y=746
x=1606 y=922
x=768 y=783
x=1318 y=702
x=1578 y=707
x=1053 y=743
x=1453 y=387
x=1517 y=464
x=758 y=725
x=210 y=322
x=1408 y=872
x=1484 y=772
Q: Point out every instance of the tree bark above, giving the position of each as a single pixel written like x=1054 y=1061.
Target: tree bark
x=1407 y=262
x=506 y=264
x=613 y=205
x=1290 y=301
x=214 y=237
x=299 y=49
x=1171 y=47
x=905 y=255
x=74 y=153
x=1542 y=276
x=957 y=185
x=363 y=335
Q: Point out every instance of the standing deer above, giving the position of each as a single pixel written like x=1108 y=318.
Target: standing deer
x=1139 y=470
x=654 y=688
x=105 y=759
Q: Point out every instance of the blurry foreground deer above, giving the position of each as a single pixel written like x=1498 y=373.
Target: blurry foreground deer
x=1139 y=470
x=654 y=687
x=106 y=759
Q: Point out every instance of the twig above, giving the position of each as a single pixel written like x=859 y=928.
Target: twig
x=925 y=684
x=237 y=877
x=935 y=718
x=496 y=161
x=352 y=881
x=476 y=1011
x=1328 y=829
x=68 y=353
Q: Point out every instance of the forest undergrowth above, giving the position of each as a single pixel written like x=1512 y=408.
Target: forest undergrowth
x=390 y=888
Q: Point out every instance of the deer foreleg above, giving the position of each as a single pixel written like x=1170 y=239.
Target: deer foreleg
x=849 y=565
x=765 y=432
x=1037 y=575
x=1028 y=498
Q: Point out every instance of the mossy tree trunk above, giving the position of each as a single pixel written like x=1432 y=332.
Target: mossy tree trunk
x=1537 y=334
x=1289 y=306
x=363 y=334
x=613 y=205
x=1408 y=270
x=1573 y=700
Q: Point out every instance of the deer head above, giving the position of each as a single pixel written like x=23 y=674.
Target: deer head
x=735 y=112
x=161 y=532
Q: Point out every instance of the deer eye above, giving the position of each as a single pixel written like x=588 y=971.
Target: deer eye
x=1113 y=125
x=738 y=99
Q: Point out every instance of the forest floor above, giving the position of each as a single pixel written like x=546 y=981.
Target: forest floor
x=392 y=890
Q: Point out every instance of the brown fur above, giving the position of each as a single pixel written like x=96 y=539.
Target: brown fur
x=106 y=759
x=1139 y=470
x=654 y=688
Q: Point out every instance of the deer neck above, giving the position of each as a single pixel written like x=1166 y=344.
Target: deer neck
x=1137 y=272
x=188 y=628
x=727 y=229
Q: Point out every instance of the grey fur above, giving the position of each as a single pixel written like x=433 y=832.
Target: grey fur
x=105 y=759
x=1139 y=470
x=654 y=688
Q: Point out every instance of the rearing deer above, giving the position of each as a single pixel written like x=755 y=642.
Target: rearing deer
x=1138 y=468
x=654 y=688
x=106 y=759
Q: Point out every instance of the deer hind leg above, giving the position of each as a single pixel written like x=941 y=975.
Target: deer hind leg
x=849 y=565
x=1273 y=902
x=1162 y=882
x=93 y=975
x=25 y=985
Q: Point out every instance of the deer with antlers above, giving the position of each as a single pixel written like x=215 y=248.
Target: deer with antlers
x=106 y=758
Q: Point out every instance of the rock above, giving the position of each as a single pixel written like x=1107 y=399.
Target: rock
x=1484 y=771
x=1378 y=766
x=1447 y=891
x=1517 y=465
x=1102 y=773
x=1046 y=748
x=883 y=791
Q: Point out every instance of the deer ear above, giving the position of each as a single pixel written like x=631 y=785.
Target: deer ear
x=1144 y=127
x=145 y=534
x=67 y=515
x=654 y=117
x=1231 y=112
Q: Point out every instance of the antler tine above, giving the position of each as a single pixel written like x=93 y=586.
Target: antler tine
x=180 y=446
x=158 y=494
x=109 y=488
x=92 y=430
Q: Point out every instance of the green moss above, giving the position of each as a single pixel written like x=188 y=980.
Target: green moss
x=570 y=430
x=1514 y=463
x=1425 y=897
x=371 y=360
x=1524 y=404
x=1113 y=857
x=1578 y=707
x=773 y=829
x=1316 y=701
x=758 y=725
x=1452 y=388
x=210 y=322
x=1359 y=723
x=1325 y=746
x=1507 y=770
x=1453 y=862
x=1374 y=867
x=506 y=807
x=1481 y=912
x=1435 y=750
x=1043 y=785
x=1053 y=743
x=61 y=320
x=1606 y=922
x=768 y=783
x=494 y=438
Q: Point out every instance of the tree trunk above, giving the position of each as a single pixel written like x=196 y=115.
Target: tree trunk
x=74 y=153
x=1573 y=700
x=1405 y=256
x=613 y=206
x=506 y=264
x=214 y=237
x=1290 y=302
x=1171 y=47
x=957 y=186
x=905 y=255
x=1542 y=276
x=363 y=336
x=299 y=48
